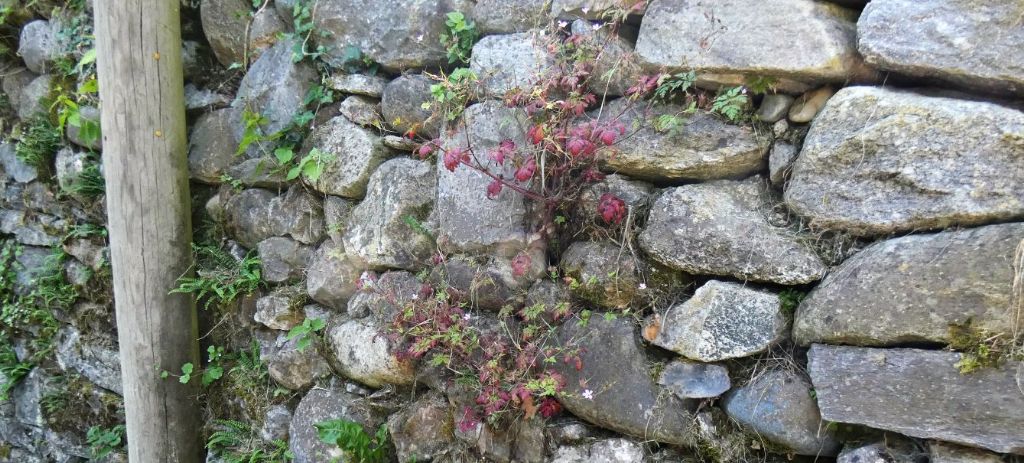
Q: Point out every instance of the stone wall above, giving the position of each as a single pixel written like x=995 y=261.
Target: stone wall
x=826 y=267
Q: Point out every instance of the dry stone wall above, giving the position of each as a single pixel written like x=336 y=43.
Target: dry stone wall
x=787 y=230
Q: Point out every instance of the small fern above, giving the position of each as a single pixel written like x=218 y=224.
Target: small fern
x=731 y=103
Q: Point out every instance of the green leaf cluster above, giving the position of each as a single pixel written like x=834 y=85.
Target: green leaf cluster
x=350 y=436
x=459 y=37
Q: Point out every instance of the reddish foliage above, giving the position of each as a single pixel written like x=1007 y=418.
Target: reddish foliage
x=611 y=208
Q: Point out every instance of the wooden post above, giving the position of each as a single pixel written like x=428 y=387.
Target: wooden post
x=138 y=45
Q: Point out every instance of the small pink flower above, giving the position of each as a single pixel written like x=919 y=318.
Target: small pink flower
x=588 y=394
x=642 y=286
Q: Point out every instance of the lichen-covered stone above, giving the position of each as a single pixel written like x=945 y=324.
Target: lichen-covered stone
x=283 y=259
x=361 y=110
x=361 y=352
x=969 y=44
x=508 y=62
x=275 y=87
x=255 y=215
x=468 y=220
x=619 y=393
x=704 y=148
x=423 y=431
x=379 y=234
x=15 y=168
x=32 y=95
x=920 y=393
x=212 y=147
x=778 y=406
x=94 y=357
x=353 y=153
x=402 y=106
x=358 y=84
x=39 y=45
x=879 y=161
x=504 y=17
x=294 y=369
x=780 y=162
x=719 y=228
x=616 y=66
x=264 y=30
x=331 y=277
x=610 y=276
x=911 y=289
x=795 y=40
x=944 y=452
x=281 y=309
x=395 y=33
x=721 y=321
x=615 y=450
x=225 y=25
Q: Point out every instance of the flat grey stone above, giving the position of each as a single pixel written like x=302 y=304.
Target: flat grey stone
x=921 y=394
x=978 y=46
x=778 y=406
x=911 y=289
x=721 y=321
x=879 y=161
x=695 y=380
x=719 y=228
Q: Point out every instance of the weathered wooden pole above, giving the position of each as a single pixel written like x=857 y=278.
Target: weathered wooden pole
x=138 y=45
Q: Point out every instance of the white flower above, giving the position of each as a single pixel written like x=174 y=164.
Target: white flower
x=588 y=394
x=467 y=317
x=562 y=24
x=642 y=286
x=415 y=297
x=585 y=9
x=595 y=26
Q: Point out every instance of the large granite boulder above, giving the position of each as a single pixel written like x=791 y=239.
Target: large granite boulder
x=912 y=288
x=799 y=41
x=395 y=33
x=379 y=233
x=352 y=154
x=509 y=62
x=971 y=45
x=778 y=406
x=212 y=146
x=331 y=278
x=402 y=106
x=468 y=220
x=920 y=393
x=614 y=388
x=225 y=25
x=719 y=228
x=879 y=161
x=361 y=351
x=721 y=321
x=609 y=276
x=616 y=66
x=283 y=259
x=275 y=87
x=423 y=430
x=293 y=368
x=255 y=215
x=38 y=45
x=504 y=17
x=704 y=148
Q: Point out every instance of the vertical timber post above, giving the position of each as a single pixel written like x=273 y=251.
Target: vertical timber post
x=138 y=45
